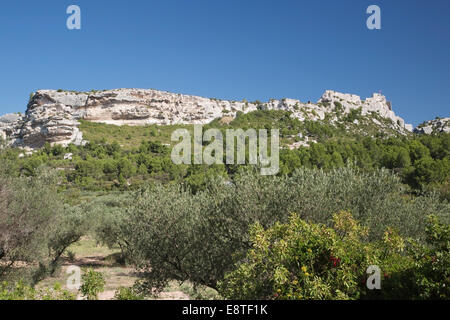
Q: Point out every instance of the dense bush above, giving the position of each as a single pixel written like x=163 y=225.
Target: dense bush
x=127 y=294
x=30 y=212
x=421 y=161
x=169 y=233
x=301 y=260
x=165 y=233
x=74 y=223
x=93 y=283
x=378 y=199
x=21 y=291
x=106 y=217
x=36 y=227
x=431 y=268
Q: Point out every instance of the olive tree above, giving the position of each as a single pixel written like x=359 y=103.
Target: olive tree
x=30 y=210
x=171 y=233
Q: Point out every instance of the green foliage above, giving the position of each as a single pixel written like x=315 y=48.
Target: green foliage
x=107 y=215
x=422 y=162
x=92 y=284
x=167 y=237
x=172 y=234
x=21 y=291
x=338 y=108
x=191 y=223
x=301 y=260
x=73 y=224
x=354 y=114
x=262 y=119
x=431 y=268
x=97 y=132
x=127 y=294
x=71 y=255
x=112 y=162
x=30 y=212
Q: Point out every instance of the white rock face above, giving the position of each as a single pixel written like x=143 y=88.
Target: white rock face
x=377 y=103
x=434 y=126
x=52 y=116
x=9 y=126
x=68 y=156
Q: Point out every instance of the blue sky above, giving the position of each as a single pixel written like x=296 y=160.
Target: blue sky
x=231 y=49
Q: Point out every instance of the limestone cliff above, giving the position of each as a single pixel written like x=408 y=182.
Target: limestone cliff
x=52 y=116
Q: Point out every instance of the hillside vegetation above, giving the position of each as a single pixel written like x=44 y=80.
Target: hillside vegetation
x=349 y=199
x=122 y=158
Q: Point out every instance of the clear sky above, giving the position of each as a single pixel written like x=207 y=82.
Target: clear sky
x=231 y=49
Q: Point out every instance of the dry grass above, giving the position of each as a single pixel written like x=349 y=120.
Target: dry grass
x=89 y=254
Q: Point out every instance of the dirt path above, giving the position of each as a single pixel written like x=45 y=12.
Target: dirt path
x=115 y=273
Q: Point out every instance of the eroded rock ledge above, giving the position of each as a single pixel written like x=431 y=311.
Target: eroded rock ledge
x=437 y=125
x=52 y=115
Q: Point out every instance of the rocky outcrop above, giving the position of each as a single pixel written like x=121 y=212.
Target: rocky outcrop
x=53 y=116
x=434 y=126
x=375 y=104
x=9 y=126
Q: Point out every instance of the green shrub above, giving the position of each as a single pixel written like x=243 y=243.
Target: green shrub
x=71 y=255
x=127 y=294
x=431 y=269
x=30 y=212
x=92 y=284
x=301 y=260
x=338 y=108
x=171 y=234
x=21 y=291
x=354 y=114
x=74 y=223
